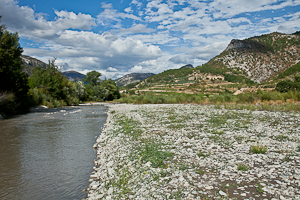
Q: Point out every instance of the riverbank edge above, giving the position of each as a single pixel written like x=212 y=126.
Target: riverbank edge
x=92 y=194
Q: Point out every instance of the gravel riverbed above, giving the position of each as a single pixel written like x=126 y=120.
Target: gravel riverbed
x=176 y=151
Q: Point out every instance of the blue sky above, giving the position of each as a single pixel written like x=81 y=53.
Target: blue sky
x=118 y=37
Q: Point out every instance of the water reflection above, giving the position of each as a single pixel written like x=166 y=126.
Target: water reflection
x=48 y=155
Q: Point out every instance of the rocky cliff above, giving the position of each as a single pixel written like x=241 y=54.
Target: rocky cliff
x=29 y=63
x=132 y=78
x=263 y=57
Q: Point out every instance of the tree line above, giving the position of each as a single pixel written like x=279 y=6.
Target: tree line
x=46 y=86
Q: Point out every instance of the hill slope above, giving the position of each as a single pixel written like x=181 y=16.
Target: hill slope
x=262 y=57
x=29 y=63
x=73 y=75
x=132 y=78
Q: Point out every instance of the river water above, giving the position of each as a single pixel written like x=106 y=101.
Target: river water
x=49 y=154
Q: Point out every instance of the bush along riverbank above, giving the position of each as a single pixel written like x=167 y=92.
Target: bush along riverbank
x=196 y=152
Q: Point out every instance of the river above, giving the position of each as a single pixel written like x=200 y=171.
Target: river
x=49 y=154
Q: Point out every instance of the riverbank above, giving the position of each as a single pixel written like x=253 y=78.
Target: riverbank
x=177 y=151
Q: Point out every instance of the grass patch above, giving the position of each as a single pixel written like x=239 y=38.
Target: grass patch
x=242 y=167
x=200 y=171
x=259 y=149
x=122 y=184
x=177 y=195
x=216 y=121
x=259 y=188
x=153 y=153
x=129 y=126
x=202 y=154
x=217 y=132
x=281 y=137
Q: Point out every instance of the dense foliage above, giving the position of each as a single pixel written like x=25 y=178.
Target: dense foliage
x=13 y=83
x=100 y=91
x=290 y=71
x=288 y=85
x=49 y=87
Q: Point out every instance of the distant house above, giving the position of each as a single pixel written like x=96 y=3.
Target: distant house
x=122 y=91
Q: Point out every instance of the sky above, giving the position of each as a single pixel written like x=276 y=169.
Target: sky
x=119 y=37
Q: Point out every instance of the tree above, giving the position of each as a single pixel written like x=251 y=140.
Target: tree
x=92 y=78
x=49 y=86
x=50 y=79
x=113 y=92
x=13 y=82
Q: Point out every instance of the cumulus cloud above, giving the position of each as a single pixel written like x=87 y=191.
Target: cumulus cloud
x=111 y=69
x=181 y=59
x=90 y=50
x=24 y=20
x=136 y=69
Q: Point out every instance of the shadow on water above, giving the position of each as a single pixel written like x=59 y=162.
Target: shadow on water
x=49 y=154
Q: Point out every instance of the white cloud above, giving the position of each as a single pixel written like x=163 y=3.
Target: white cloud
x=139 y=28
x=128 y=10
x=136 y=69
x=68 y=20
x=111 y=69
x=137 y=3
x=160 y=38
x=29 y=24
x=109 y=14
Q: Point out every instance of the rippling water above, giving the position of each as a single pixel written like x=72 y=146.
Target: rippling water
x=49 y=154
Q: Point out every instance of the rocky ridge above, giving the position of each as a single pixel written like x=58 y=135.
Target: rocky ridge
x=132 y=78
x=196 y=152
x=30 y=63
x=262 y=57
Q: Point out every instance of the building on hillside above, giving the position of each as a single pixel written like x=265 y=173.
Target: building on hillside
x=200 y=76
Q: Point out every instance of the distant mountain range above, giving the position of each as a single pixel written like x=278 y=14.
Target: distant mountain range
x=73 y=75
x=132 y=78
x=258 y=58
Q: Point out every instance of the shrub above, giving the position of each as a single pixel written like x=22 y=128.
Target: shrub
x=217 y=99
x=260 y=149
x=246 y=98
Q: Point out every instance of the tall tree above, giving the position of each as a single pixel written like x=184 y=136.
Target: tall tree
x=92 y=78
x=12 y=80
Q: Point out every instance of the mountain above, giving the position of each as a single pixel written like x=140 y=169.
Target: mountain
x=29 y=63
x=73 y=75
x=256 y=62
x=187 y=66
x=132 y=78
x=260 y=58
